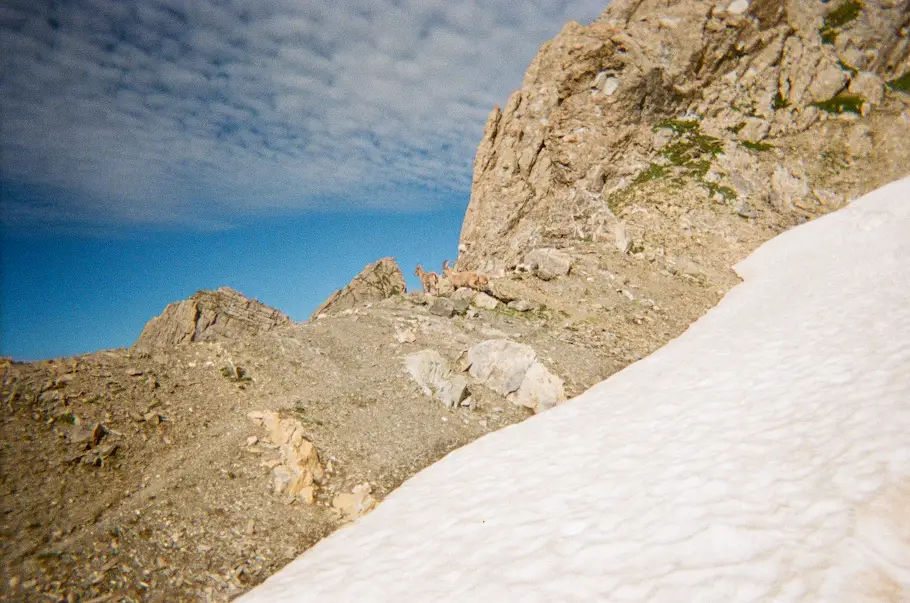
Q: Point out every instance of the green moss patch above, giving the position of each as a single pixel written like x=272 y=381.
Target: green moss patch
x=680 y=126
x=836 y=19
x=653 y=172
x=901 y=84
x=842 y=103
x=757 y=146
x=779 y=102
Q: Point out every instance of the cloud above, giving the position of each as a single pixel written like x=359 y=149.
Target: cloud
x=180 y=111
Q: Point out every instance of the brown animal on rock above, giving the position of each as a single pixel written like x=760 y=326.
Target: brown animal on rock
x=475 y=281
x=429 y=280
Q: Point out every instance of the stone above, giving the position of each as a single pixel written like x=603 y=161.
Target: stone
x=484 y=301
x=356 y=504
x=442 y=306
x=540 y=390
x=465 y=293
x=548 y=264
x=621 y=239
x=787 y=188
x=521 y=305
x=405 y=335
x=869 y=86
x=299 y=466
x=662 y=137
x=827 y=82
x=376 y=282
x=208 y=316
x=432 y=373
x=460 y=306
x=513 y=370
x=859 y=141
x=738 y=7
x=755 y=129
x=500 y=364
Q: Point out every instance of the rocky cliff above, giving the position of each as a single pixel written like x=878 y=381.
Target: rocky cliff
x=751 y=109
x=209 y=316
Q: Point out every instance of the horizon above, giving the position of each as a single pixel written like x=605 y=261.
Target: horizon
x=150 y=150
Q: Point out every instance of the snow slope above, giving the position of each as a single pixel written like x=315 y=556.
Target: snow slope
x=764 y=455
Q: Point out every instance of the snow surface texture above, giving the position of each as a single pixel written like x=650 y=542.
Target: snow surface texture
x=764 y=455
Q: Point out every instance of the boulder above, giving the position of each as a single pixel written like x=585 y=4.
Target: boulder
x=298 y=467
x=484 y=301
x=521 y=305
x=868 y=86
x=432 y=373
x=376 y=282
x=356 y=504
x=460 y=306
x=548 y=264
x=209 y=316
x=442 y=306
x=512 y=370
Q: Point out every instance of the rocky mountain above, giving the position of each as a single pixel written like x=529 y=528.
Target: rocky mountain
x=644 y=155
x=209 y=316
x=770 y=111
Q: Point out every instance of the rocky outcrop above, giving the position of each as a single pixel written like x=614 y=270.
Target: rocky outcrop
x=297 y=470
x=664 y=91
x=513 y=370
x=374 y=283
x=209 y=316
x=432 y=373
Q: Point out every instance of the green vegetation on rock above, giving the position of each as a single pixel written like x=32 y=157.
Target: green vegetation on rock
x=653 y=172
x=842 y=103
x=840 y=16
x=757 y=146
x=901 y=83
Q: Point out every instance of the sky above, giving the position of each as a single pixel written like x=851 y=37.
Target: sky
x=152 y=148
x=760 y=456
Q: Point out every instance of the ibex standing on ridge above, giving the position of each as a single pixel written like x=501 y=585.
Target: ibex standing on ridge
x=429 y=280
x=475 y=281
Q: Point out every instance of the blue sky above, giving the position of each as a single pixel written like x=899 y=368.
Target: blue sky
x=152 y=148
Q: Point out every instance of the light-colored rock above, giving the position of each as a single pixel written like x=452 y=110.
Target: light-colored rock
x=484 y=301
x=512 y=369
x=521 y=305
x=869 y=86
x=540 y=390
x=298 y=465
x=662 y=136
x=460 y=306
x=465 y=293
x=859 y=140
x=405 y=335
x=827 y=83
x=376 y=282
x=755 y=129
x=208 y=316
x=787 y=188
x=500 y=364
x=432 y=373
x=442 y=306
x=355 y=504
x=548 y=264
x=738 y=7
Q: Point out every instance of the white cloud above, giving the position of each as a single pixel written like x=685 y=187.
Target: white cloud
x=141 y=111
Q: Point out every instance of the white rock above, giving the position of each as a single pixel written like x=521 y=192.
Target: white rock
x=540 y=390
x=867 y=85
x=548 y=263
x=432 y=373
x=738 y=7
x=484 y=301
x=500 y=364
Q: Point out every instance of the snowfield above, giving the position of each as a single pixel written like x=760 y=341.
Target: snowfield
x=764 y=455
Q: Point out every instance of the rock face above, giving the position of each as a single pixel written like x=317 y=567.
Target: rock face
x=432 y=373
x=655 y=90
x=297 y=470
x=208 y=316
x=374 y=283
x=512 y=369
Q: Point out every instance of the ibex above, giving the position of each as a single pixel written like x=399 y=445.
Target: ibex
x=429 y=280
x=475 y=281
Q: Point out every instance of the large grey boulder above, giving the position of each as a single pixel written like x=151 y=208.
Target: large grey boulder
x=432 y=373
x=548 y=264
x=513 y=370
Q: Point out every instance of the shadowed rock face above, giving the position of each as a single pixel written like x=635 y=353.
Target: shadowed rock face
x=652 y=89
x=376 y=282
x=209 y=316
